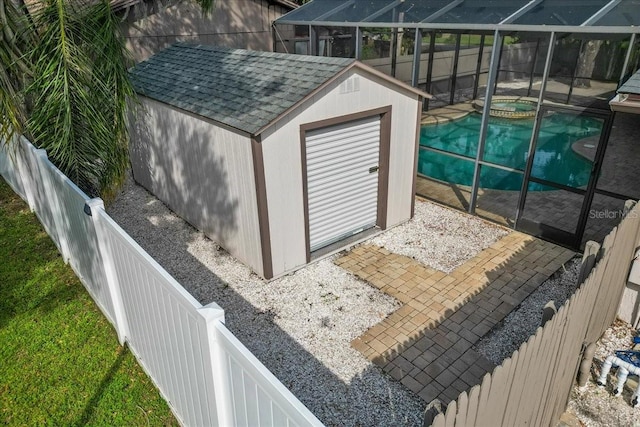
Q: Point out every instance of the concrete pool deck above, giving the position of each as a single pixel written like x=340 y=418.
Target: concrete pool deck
x=427 y=343
x=586 y=147
x=447 y=114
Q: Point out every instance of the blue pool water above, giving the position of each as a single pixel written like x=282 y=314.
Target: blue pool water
x=507 y=144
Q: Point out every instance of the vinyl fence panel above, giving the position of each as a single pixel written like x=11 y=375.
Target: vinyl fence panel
x=40 y=189
x=206 y=375
x=10 y=156
x=257 y=397
x=58 y=203
x=76 y=234
x=164 y=328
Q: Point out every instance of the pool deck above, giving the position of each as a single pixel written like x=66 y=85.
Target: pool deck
x=447 y=114
x=458 y=111
x=587 y=147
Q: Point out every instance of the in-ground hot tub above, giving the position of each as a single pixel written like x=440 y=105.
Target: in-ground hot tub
x=509 y=107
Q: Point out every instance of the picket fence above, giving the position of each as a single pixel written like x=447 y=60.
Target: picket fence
x=207 y=376
x=532 y=387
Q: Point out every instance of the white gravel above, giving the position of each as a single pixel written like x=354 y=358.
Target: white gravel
x=598 y=407
x=300 y=326
x=521 y=323
x=433 y=239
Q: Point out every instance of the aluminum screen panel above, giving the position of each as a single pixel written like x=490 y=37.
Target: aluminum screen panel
x=561 y=12
x=489 y=13
x=313 y=10
x=482 y=12
x=624 y=14
x=360 y=11
x=413 y=12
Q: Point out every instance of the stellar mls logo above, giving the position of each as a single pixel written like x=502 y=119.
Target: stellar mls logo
x=610 y=214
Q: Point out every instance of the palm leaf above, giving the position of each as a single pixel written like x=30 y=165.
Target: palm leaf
x=64 y=83
x=15 y=39
x=80 y=93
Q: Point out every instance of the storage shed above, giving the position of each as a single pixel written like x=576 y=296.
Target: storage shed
x=627 y=99
x=279 y=158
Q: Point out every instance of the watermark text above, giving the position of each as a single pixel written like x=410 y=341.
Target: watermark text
x=610 y=214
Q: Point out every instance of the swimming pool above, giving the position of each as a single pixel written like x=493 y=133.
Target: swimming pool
x=507 y=145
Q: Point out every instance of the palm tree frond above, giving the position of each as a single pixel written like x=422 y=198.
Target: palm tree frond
x=80 y=93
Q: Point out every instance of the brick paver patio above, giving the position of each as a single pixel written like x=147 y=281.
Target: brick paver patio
x=426 y=344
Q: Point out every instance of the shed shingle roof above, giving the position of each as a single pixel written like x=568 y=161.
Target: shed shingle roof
x=243 y=89
x=632 y=85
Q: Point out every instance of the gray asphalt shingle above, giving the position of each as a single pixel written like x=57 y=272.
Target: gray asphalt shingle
x=240 y=88
x=632 y=85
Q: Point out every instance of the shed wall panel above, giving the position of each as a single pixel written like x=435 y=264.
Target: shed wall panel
x=356 y=91
x=203 y=172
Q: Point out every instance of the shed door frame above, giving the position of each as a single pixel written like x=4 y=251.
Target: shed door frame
x=383 y=162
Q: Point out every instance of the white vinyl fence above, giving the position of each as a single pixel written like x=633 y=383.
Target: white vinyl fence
x=207 y=376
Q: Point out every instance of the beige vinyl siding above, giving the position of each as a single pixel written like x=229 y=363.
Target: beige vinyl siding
x=201 y=171
x=282 y=158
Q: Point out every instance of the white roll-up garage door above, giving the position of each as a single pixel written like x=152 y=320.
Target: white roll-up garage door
x=342 y=180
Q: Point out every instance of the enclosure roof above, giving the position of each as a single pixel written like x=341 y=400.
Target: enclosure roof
x=604 y=16
x=240 y=88
x=246 y=90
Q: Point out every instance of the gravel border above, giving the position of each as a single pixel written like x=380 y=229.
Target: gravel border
x=516 y=328
x=300 y=326
x=591 y=406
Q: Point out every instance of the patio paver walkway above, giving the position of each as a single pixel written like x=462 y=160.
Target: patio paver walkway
x=427 y=343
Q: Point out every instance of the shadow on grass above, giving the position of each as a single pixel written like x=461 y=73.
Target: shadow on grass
x=30 y=262
x=94 y=401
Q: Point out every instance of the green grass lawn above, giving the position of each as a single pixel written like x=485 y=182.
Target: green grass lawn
x=60 y=362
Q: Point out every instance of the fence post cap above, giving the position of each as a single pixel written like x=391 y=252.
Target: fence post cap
x=96 y=202
x=212 y=311
x=91 y=205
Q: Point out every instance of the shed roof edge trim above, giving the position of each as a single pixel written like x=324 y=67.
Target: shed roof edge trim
x=196 y=115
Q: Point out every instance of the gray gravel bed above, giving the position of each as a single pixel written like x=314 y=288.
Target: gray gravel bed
x=592 y=406
x=300 y=326
x=520 y=324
